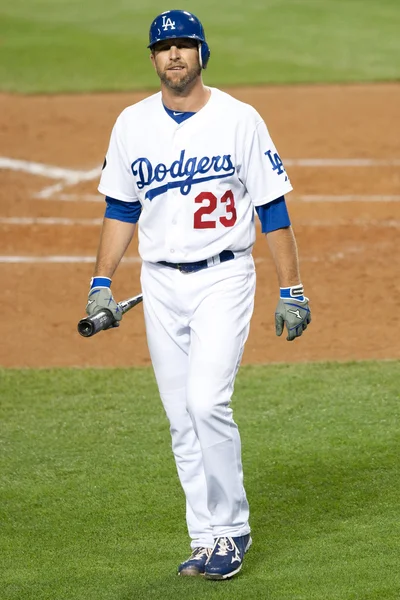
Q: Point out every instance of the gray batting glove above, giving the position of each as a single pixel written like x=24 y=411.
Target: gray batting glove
x=295 y=314
x=101 y=297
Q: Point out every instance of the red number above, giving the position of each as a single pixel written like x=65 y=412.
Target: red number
x=230 y=209
x=205 y=210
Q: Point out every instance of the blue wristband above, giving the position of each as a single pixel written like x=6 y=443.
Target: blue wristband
x=296 y=292
x=100 y=282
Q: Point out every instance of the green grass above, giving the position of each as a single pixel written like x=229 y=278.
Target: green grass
x=70 y=45
x=91 y=508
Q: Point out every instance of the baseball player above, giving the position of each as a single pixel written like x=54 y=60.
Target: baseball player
x=191 y=165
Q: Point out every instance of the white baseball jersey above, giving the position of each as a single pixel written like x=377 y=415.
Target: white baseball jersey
x=197 y=181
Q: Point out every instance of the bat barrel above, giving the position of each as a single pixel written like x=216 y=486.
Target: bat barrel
x=126 y=305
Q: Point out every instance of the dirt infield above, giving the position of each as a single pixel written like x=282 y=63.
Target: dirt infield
x=345 y=211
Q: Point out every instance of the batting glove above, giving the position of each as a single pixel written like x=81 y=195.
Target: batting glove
x=292 y=310
x=100 y=297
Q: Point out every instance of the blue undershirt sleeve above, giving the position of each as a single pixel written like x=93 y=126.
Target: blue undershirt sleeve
x=128 y=212
x=273 y=215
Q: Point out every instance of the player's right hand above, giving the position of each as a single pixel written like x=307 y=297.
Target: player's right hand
x=100 y=298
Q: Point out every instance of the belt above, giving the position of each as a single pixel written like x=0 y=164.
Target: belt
x=192 y=267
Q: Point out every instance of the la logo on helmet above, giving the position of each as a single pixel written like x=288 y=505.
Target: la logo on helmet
x=167 y=22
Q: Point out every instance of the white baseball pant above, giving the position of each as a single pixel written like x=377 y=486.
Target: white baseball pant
x=197 y=325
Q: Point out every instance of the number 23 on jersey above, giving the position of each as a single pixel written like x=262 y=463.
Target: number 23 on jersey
x=204 y=218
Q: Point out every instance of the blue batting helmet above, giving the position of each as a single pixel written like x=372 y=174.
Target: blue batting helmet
x=179 y=24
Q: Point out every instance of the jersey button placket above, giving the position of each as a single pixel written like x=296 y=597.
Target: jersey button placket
x=175 y=200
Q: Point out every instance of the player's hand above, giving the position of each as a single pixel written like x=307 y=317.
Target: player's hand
x=101 y=297
x=295 y=314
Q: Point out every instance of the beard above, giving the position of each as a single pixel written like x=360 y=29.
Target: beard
x=179 y=84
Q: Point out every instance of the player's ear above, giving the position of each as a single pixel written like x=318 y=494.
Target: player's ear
x=152 y=59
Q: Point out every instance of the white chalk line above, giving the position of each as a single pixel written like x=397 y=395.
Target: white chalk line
x=55 y=172
x=42 y=260
x=341 y=162
x=344 y=198
x=54 y=196
x=348 y=223
x=48 y=192
x=40 y=169
x=333 y=257
x=71 y=177
x=68 y=177
x=49 y=221
x=54 y=259
x=293 y=197
x=59 y=259
x=65 y=221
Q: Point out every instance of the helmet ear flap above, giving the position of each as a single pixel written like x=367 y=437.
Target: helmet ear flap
x=204 y=54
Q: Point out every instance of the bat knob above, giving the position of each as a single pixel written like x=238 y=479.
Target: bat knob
x=103 y=319
x=86 y=327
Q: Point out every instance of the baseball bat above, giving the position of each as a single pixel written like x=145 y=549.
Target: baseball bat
x=103 y=319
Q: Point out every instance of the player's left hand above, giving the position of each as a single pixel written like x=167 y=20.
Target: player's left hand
x=295 y=314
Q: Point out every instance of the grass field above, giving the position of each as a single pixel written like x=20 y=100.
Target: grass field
x=92 y=508
x=68 y=45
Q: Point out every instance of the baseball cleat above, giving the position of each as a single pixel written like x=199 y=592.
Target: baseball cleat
x=226 y=558
x=195 y=564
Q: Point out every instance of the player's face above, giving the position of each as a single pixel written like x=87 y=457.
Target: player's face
x=176 y=62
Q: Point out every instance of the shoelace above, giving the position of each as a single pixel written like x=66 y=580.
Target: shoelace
x=200 y=552
x=224 y=547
